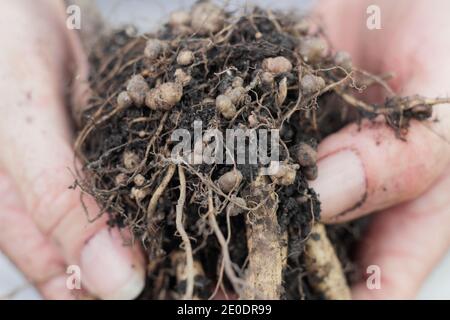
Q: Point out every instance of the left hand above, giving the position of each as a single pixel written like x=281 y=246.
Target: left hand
x=367 y=169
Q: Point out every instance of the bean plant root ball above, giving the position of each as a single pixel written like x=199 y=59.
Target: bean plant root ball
x=247 y=228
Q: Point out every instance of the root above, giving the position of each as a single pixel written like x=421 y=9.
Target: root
x=237 y=283
x=378 y=79
x=190 y=272
x=158 y=193
x=125 y=144
x=394 y=104
x=323 y=266
x=266 y=250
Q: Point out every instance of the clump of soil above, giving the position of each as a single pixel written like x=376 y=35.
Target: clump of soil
x=209 y=228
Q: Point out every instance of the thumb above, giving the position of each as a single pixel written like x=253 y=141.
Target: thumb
x=370 y=169
x=367 y=168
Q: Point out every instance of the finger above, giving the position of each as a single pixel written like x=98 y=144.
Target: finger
x=27 y=248
x=80 y=89
x=373 y=169
x=379 y=171
x=406 y=242
x=35 y=131
x=38 y=160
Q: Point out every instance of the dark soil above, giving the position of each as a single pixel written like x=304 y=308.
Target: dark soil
x=237 y=49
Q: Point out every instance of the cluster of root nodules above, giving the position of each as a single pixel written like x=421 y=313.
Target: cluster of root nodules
x=225 y=229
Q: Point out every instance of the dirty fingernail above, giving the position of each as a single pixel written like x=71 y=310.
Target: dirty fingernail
x=341 y=183
x=110 y=269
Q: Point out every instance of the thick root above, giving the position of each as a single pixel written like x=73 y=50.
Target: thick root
x=153 y=204
x=266 y=248
x=184 y=236
x=324 y=267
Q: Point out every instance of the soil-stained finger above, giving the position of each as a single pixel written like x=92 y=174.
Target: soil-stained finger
x=404 y=244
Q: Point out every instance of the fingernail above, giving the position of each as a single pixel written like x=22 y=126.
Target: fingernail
x=110 y=269
x=341 y=183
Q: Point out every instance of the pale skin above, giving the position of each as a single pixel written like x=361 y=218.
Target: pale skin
x=407 y=183
x=43 y=227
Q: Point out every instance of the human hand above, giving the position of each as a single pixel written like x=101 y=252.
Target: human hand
x=43 y=226
x=370 y=170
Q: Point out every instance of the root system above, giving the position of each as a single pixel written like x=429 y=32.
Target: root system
x=209 y=228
